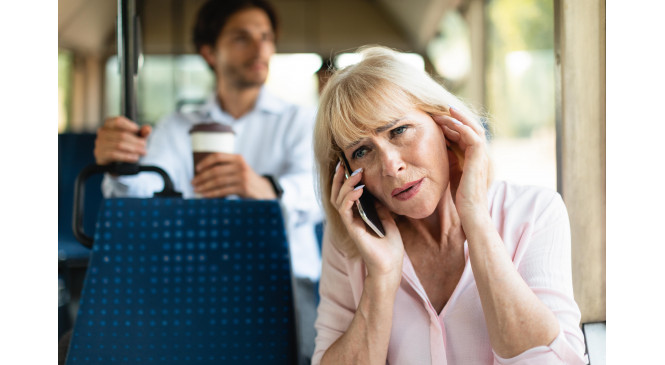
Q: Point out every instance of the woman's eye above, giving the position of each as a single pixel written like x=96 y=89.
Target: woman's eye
x=359 y=153
x=398 y=130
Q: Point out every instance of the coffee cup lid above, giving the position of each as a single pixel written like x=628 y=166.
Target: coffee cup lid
x=211 y=127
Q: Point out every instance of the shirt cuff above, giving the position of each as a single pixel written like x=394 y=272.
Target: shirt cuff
x=558 y=352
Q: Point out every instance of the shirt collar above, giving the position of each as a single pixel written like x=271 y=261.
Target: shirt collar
x=266 y=102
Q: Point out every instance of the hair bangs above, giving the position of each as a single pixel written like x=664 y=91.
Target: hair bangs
x=363 y=104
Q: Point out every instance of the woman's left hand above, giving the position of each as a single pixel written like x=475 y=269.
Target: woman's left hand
x=471 y=194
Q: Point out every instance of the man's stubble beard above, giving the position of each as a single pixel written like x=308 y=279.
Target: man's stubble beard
x=236 y=77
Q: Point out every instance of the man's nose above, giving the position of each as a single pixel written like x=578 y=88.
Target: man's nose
x=260 y=46
x=255 y=46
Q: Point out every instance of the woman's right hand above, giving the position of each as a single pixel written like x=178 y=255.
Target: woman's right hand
x=382 y=256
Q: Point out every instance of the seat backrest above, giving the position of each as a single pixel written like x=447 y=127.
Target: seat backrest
x=75 y=151
x=594 y=337
x=178 y=281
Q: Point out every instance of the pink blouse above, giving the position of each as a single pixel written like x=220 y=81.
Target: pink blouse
x=533 y=224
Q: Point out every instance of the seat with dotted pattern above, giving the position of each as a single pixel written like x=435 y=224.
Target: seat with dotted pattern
x=187 y=281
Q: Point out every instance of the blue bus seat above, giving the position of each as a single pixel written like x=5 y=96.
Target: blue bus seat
x=187 y=281
x=75 y=151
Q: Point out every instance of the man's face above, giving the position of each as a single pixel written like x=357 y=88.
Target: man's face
x=243 y=49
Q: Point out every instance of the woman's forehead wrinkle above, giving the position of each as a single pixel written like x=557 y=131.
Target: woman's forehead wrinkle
x=378 y=130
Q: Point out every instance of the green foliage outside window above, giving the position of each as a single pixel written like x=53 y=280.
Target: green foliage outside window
x=64 y=89
x=520 y=68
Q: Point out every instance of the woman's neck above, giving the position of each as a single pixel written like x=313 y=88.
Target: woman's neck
x=442 y=228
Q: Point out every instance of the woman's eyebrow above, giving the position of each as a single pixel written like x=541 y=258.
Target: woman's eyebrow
x=382 y=128
x=389 y=125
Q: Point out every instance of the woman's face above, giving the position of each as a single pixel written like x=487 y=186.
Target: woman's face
x=405 y=164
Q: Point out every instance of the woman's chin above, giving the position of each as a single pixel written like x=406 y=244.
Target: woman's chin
x=416 y=212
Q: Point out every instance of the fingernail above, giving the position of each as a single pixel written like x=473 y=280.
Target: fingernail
x=456 y=121
x=357 y=172
x=337 y=167
x=358 y=187
x=451 y=107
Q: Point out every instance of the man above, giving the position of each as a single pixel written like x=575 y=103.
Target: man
x=273 y=140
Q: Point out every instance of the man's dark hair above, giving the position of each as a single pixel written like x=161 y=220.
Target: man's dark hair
x=214 y=14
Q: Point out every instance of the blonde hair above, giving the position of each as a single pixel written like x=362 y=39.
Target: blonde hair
x=358 y=99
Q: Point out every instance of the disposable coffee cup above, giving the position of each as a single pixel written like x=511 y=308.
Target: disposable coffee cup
x=210 y=138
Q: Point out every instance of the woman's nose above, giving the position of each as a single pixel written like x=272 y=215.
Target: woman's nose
x=391 y=162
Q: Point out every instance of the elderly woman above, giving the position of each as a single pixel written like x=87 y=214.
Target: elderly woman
x=470 y=271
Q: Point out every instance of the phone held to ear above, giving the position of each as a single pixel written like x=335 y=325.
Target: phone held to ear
x=365 y=204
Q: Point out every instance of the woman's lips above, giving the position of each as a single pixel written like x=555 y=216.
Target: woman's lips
x=407 y=191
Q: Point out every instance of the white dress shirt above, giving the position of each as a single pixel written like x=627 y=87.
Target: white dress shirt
x=274 y=138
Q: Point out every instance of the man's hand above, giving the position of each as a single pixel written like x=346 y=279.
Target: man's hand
x=222 y=174
x=120 y=140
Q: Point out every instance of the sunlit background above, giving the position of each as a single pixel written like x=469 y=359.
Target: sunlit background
x=518 y=76
x=519 y=83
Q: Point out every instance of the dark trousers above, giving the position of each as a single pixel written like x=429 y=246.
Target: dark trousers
x=305 y=293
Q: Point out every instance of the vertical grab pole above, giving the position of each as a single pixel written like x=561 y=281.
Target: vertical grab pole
x=129 y=50
x=128 y=56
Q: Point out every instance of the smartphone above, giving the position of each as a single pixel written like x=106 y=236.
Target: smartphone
x=365 y=204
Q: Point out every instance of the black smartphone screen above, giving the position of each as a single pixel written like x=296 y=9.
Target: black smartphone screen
x=366 y=204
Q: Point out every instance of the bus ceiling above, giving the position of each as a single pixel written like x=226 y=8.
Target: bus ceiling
x=320 y=26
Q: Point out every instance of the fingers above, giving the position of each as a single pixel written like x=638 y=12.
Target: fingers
x=348 y=186
x=222 y=174
x=338 y=180
x=106 y=156
x=457 y=114
x=145 y=131
x=457 y=132
x=222 y=191
x=118 y=140
x=461 y=133
x=216 y=159
x=216 y=178
x=118 y=146
x=344 y=193
x=121 y=123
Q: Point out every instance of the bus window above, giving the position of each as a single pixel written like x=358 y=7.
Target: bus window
x=293 y=77
x=450 y=52
x=520 y=90
x=499 y=56
x=65 y=60
x=167 y=82
x=164 y=82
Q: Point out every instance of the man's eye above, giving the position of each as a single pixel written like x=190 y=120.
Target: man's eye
x=398 y=130
x=359 y=153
